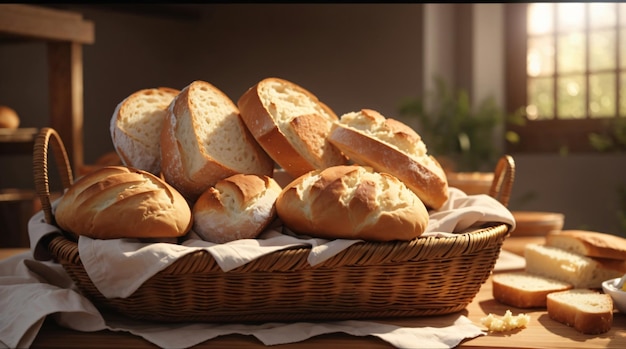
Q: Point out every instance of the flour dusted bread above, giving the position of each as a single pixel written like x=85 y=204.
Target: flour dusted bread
x=523 y=290
x=588 y=311
x=351 y=202
x=237 y=207
x=578 y=270
x=136 y=127
x=388 y=145
x=589 y=243
x=204 y=140
x=119 y=202
x=291 y=124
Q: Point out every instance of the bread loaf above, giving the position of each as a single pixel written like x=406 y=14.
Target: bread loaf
x=578 y=270
x=351 y=202
x=8 y=118
x=388 y=145
x=204 y=140
x=589 y=243
x=291 y=124
x=136 y=127
x=237 y=207
x=119 y=202
x=587 y=311
x=523 y=290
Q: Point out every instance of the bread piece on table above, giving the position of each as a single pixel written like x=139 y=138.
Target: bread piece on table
x=237 y=207
x=589 y=243
x=351 y=202
x=388 y=145
x=578 y=270
x=291 y=124
x=587 y=311
x=523 y=290
x=204 y=140
x=8 y=118
x=136 y=127
x=119 y=202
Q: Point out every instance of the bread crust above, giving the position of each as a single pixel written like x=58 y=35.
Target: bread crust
x=589 y=243
x=311 y=130
x=237 y=207
x=177 y=162
x=523 y=290
x=431 y=187
x=120 y=202
x=572 y=314
x=352 y=202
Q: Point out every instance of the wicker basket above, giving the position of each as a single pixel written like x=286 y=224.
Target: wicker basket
x=426 y=276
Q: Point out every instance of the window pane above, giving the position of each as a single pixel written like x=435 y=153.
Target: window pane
x=571 y=16
x=622 y=95
x=540 y=59
x=602 y=95
x=571 y=53
x=602 y=15
x=602 y=50
x=540 y=19
x=622 y=14
x=540 y=99
x=571 y=97
x=622 y=48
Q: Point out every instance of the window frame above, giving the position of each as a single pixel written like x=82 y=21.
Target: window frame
x=539 y=136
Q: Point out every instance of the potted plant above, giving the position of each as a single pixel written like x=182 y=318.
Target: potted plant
x=460 y=137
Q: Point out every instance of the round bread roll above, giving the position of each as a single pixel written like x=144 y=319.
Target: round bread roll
x=388 y=145
x=136 y=127
x=120 y=202
x=352 y=202
x=8 y=118
x=238 y=207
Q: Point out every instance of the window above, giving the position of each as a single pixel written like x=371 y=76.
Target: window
x=566 y=75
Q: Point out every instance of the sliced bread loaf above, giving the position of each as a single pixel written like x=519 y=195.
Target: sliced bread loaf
x=587 y=311
x=578 y=270
x=136 y=127
x=204 y=140
x=291 y=124
x=589 y=243
x=523 y=290
x=388 y=145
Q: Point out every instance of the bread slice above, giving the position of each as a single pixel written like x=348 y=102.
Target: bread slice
x=587 y=311
x=291 y=124
x=388 y=145
x=578 y=270
x=204 y=140
x=136 y=127
x=589 y=243
x=523 y=290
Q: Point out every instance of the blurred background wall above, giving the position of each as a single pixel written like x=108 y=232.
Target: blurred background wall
x=351 y=56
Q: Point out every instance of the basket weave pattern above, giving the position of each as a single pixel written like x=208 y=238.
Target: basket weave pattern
x=425 y=276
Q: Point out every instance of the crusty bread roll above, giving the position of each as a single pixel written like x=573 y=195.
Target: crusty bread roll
x=588 y=311
x=120 y=202
x=204 y=140
x=237 y=207
x=523 y=290
x=578 y=270
x=388 y=145
x=135 y=127
x=351 y=202
x=291 y=124
x=589 y=243
x=8 y=118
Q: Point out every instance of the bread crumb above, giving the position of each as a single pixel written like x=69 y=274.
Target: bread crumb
x=505 y=323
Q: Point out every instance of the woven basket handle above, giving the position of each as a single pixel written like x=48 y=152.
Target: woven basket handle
x=49 y=137
x=503 y=177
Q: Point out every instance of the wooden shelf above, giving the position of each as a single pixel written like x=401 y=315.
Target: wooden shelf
x=64 y=33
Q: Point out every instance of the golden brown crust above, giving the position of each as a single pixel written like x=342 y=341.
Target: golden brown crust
x=311 y=130
x=589 y=243
x=119 y=202
x=351 y=202
x=432 y=188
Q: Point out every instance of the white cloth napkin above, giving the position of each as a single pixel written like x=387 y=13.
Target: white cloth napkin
x=32 y=287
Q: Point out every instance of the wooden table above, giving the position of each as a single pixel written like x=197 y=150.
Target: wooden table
x=542 y=332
